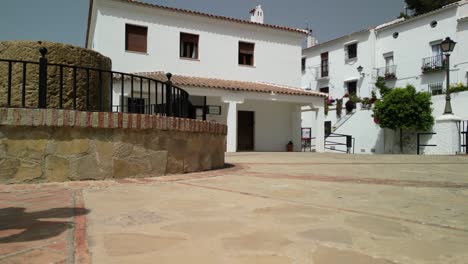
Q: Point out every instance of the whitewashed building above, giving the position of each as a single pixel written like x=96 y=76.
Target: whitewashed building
x=245 y=74
x=404 y=51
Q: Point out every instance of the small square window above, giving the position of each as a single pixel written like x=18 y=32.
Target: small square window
x=189 y=46
x=352 y=88
x=324 y=90
x=351 y=51
x=136 y=38
x=246 y=53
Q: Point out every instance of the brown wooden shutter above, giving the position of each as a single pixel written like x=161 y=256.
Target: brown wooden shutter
x=246 y=48
x=189 y=38
x=136 y=38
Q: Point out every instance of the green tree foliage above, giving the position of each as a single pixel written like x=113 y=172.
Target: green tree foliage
x=404 y=109
x=424 y=6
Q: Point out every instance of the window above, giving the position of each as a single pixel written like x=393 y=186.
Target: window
x=324 y=90
x=188 y=46
x=136 y=38
x=324 y=64
x=395 y=35
x=351 y=51
x=136 y=105
x=388 y=61
x=303 y=64
x=433 y=24
x=328 y=128
x=246 y=53
x=436 y=88
x=352 y=87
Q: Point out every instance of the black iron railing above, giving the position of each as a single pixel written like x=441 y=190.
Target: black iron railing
x=332 y=144
x=463 y=136
x=388 y=72
x=39 y=84
x=434 y=63
x=419 y=145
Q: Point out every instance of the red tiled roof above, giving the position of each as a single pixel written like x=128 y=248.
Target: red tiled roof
x=259 y=87
x=195 y=13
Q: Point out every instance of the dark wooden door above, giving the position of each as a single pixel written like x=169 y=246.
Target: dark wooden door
x=245 y=131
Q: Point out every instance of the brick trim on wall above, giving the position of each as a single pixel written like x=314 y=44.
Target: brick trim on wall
x=79 y=119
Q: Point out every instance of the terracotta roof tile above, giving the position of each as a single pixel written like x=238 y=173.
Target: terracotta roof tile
x=191 y=12
x=259 y=87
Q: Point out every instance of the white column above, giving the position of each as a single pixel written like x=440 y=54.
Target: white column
x=447 y=137
x=320 y=126
x=232 y=127
x=296 y=124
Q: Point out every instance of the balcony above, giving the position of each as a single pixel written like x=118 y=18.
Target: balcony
x=435 y=63
x=388 y=73
x=322 y=72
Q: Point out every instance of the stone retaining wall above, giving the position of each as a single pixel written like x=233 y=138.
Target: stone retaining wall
x=61 y=54
x=60 y=145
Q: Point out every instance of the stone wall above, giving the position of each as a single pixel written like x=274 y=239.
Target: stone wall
x=60 y=54
x=59 y=145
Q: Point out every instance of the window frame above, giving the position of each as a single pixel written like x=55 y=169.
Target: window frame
x=240 y=54
x=347 y=51
x=127 y=39
x=183 y=48
x=324 y=64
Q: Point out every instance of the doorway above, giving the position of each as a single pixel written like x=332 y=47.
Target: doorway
x=245 y=130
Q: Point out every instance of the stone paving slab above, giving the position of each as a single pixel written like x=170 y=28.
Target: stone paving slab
x=268 y=208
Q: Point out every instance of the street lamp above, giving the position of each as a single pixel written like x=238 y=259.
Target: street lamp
x=447 y=46
x=360 y=69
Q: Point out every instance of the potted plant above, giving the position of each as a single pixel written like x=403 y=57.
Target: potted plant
x=290 y=146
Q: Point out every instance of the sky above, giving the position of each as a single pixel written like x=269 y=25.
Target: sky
x=65 y=20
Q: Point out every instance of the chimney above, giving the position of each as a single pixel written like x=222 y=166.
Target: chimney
x=256 y=14
x=311 y=40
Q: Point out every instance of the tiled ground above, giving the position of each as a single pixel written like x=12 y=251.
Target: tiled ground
x=269 y=208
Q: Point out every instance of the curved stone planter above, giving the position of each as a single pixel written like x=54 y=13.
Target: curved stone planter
x=60 y=54
x=51 y=145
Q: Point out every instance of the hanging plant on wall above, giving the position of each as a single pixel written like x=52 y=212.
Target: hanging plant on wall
x=350 y=106
x=326 y=106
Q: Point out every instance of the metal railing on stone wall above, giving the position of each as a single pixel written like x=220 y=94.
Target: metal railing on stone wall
x=39 y=84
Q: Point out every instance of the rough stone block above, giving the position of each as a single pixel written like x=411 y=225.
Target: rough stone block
x=28 y=171
x=123 y=168
x=73 y=146
x=57 y=169
x=9 y=168
x=88 y=169
x=158 y=161
x=24 y=148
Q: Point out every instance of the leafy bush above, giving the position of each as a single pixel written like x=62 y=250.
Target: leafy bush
x=459 y=87
x=350 y=106
x=404 y=109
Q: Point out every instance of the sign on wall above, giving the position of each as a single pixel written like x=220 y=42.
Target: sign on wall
x=214 y=110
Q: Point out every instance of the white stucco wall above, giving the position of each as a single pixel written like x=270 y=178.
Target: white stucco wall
x=277 y=52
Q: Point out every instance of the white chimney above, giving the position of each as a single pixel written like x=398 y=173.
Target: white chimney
x=311 y=40
x=256 y=14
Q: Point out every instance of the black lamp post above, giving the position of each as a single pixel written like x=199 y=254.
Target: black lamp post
x=447 y=46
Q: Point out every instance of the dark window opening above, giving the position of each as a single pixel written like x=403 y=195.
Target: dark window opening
x=352 y=51
x=188 y=46
x=324 y=90
x=136 y=105
x=324 y=64
x=136 y=38
x=246 y=53
x=328 y=128
x=303 y=64
x=352 y=88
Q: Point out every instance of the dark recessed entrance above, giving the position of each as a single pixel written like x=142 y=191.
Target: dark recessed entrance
x=245 y=130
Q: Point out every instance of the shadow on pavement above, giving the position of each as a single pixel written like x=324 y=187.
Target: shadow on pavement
x=14 y=218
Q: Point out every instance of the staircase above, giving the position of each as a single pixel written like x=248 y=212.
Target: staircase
x=342 y=120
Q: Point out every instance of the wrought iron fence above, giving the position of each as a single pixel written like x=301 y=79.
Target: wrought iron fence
x=464 y=136
x=418 y=142
x=388 y=72
x=434 y=63
x=39 y=84
x=331 y=145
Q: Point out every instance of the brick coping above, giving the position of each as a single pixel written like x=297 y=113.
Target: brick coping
x=80 y=119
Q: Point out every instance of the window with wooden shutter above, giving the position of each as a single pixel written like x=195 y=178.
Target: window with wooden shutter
x=351 y=51
x=246 y=53
x=188 y=46
x=324 y=64
x=136 y=38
